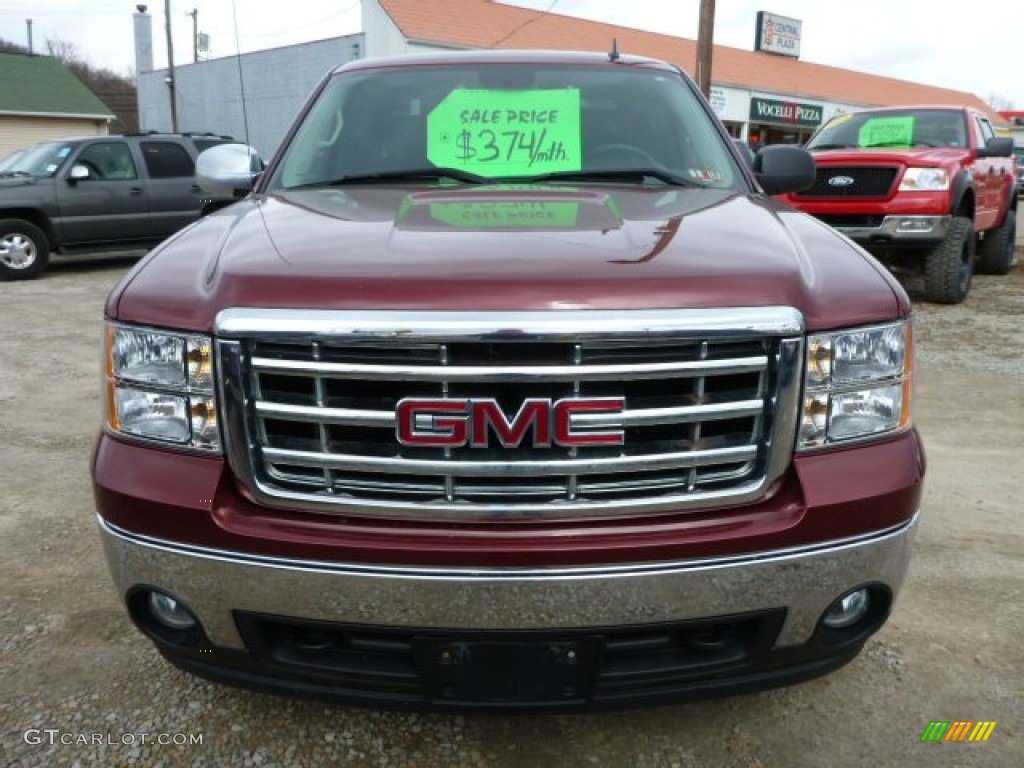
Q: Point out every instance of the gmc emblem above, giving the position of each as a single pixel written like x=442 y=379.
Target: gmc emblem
x=455 y=422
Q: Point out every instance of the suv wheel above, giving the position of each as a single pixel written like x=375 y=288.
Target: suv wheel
x=24 y=250
x=948 y=266
x=996 y=254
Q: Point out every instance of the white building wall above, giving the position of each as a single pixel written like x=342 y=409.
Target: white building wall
x=383 y=38
x=277 y=84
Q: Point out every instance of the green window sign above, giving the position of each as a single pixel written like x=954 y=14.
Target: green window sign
x=887 y=132
x=506 y=133
x=506 y=215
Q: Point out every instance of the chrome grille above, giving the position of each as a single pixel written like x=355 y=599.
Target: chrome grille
x=310 y=399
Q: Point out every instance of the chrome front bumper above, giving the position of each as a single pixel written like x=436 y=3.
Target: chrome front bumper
x=901 y=228
x=214 y=583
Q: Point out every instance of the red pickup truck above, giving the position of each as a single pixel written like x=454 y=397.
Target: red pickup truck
x=919 y=187
x=509 y=385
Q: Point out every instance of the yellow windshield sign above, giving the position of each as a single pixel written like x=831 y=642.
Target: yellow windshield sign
x=506 y=133
x=887 y=132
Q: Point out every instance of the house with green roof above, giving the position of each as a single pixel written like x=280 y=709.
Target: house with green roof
x=41 y=99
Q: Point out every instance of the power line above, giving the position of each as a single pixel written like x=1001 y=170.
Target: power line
x=526 y=23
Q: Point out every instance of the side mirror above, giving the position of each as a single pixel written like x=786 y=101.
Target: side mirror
x=783 y=168
x=745 y=151
x=78 y=173
x=1000 y=146
x=228 y=170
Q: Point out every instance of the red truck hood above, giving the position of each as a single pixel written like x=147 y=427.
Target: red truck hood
x=506 y=248
x=922 y=156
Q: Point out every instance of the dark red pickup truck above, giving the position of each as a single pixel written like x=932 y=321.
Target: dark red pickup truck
x=929 y=189
x=508 y=386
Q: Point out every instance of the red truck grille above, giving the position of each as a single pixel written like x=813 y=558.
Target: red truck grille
x=311 y=414
x=851 y=181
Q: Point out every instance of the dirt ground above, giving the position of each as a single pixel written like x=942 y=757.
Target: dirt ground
x=73 y=669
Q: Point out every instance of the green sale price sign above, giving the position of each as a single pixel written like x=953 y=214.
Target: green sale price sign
x=506 y=133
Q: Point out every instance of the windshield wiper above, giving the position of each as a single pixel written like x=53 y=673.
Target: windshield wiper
x=415 y=174
x=832 y=146
x=623 y=174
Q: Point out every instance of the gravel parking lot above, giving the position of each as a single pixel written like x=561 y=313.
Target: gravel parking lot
x=81 y=687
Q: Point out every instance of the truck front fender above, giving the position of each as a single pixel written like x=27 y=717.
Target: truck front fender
x=962 y=195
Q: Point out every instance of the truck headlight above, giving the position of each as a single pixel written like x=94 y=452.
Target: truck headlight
x=159 y=387
x=924 y=180
x=857 y=385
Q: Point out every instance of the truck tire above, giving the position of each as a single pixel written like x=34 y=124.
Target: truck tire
x=996 y=254
x=24 y=250
x=949 y=266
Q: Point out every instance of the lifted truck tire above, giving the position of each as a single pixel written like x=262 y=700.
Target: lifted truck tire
x=996 y=252
x=949 y=266
x=24 y=250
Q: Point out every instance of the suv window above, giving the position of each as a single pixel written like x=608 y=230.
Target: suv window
x=108 y=161
x=203 y=144
x=166 y=160
x=42 y=160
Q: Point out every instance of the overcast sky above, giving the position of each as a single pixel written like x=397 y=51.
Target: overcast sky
x=977 y=47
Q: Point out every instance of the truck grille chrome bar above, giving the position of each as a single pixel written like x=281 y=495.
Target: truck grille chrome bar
x=709 y=416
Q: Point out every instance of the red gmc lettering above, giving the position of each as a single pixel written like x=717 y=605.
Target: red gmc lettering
x=564 y=433
x=446 y=423
x=487 y=415
x=452 y=423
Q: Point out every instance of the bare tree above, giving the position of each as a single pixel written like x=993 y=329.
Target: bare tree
x=116 y=91
x=999 y=102
x=64 y=51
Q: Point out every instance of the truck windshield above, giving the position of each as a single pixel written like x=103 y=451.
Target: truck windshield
x=893 y=128
x=507 y=122
x=41 y=161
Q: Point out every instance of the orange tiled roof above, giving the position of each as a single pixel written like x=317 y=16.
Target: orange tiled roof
x=488 y=24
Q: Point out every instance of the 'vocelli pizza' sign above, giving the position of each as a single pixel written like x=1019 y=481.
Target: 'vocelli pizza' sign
x=790 y=112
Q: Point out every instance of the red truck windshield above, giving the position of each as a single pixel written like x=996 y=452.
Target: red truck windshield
x=893 y=128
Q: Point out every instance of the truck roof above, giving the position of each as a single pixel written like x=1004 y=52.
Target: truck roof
x=502 y=57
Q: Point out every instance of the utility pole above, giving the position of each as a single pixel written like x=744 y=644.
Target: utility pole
x=29 y=23
x=171 y=84
x=195 y=33
x=705 y=46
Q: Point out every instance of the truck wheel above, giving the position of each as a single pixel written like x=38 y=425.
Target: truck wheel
x=24 y=250
x=948 y=266
x=996 y=254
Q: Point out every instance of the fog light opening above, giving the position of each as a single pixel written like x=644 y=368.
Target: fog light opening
x=312 y=641
x=847 y=610
x=170 y=613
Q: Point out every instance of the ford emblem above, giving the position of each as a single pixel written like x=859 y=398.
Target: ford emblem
x=840 y=181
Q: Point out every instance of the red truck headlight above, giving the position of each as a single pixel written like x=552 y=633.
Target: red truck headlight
x=925 y=180
x=159 y=387
x=857 y=385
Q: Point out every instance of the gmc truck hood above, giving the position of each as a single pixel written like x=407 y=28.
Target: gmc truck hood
x=506 y=248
